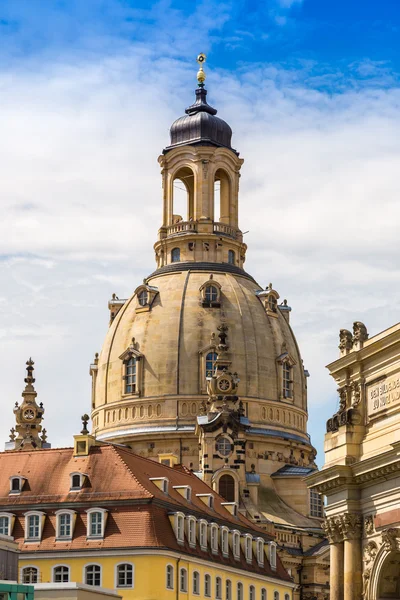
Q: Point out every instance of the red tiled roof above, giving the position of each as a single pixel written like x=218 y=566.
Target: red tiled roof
x=115 y=475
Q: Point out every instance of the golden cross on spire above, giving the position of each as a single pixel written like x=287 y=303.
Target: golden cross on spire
x=201 y=76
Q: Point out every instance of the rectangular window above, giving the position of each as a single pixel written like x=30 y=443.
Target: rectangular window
x=4 y=525
x=316 y=505
x=33 y=527
x=287 y=380
x=130 y=376
x=96 y=522
x=65 y=525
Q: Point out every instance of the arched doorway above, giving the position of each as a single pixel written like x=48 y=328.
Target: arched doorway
x=389 y=578
x=226 y=487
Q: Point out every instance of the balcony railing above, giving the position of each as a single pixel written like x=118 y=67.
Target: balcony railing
x=182 y=227
x=225 y=230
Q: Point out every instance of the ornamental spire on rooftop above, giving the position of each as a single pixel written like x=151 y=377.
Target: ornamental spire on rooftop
x=28 y=433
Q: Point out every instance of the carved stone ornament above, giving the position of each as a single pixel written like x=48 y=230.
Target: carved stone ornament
x=355 y=394
x=345 y=341
x=369 y=525
x=366 y=578
x=332 y=529
x=342 y=398
x=360 y=333
x=370 y=552
x=351 y=526
x=389 y=538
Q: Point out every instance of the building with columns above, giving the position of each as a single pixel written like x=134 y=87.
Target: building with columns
x=361 y=474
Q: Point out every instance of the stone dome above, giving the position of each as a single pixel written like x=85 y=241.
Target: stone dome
x=173 y=339
x=200 y=126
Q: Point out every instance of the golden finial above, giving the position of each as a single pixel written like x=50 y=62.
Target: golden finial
x=201 y=76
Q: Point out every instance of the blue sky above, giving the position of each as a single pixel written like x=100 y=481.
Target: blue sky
x=88 y=90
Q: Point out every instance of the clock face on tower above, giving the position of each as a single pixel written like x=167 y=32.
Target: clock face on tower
x=28 y=414
x=224 y=385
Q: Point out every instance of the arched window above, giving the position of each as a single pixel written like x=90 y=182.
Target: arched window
x=196 y=583
x=93 y=575
x=214 y=539
x=61 y=574
x=263 y=594
x=239 y=591
x=222 y=197
x=183 y=581
x=180 y=531
x=125 y=575
x=236 y=545
x=248 y=548
x=260 y=552
x=210 y=363
x=203 y=534
x=226 y=487
x=16 y=484
x=169 y=577
x=192 y=531
x=287 y=597
x=252 y=593
x=130 y=376
x=276 y=595
x=272 y=557
x=175 y=255
x=228 y=590
x=231 y=257
x=30 y=575
x=218 y=588
x=207 y=586
x=143 y=298
x=183 y=195
x=224 y=541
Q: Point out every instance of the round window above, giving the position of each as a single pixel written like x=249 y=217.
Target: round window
x=223 y=446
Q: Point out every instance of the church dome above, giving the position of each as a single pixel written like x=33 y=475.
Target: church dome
x=200 y=126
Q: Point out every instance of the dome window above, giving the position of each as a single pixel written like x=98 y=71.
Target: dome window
x=175 y=255
x=223 y=446
x=210 y=363
x=211 y=294
x=145 y=295
x=269 y=298
x=231 y=257
x=132 y=372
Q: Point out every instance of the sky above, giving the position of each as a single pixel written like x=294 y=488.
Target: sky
x=88 y=91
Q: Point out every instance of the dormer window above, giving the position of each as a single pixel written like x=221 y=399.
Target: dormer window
x=214 y=538
x=287 y=380
x=6 y=520
x=130 y=376
x=211 y=293
x=260 y=552
x=208 y=499
x=131 y=360
x=192 y=531
x=248 y=548
x=236 y=545
x=16 y=484
x=184 y=490
x=272 y=554
x=34 y=521
x=269 y=297
x=272 y=303
x=180 y=527
x=65 y=524
x=286 y=363
x=143 y=298
x=203 y=534
x=96 y=523
x=76 y=481
x=161 y=483
x=224 y=541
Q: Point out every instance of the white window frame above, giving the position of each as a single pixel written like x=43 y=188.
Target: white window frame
x=191 y=531
x=196 y=583
x=287 y=596
x=252 y=592
x=203 y=525
x=21 y=484
x=34 y=513
x=260 y=551
x=124 y=587
x=218 y=583
x=276 y=595
x=207 y=583
x=183 y=588
x=171 y=568
x=22 y=569
x=53 y=573
x=239 y=586
x=214 y=538
x=10 y=518
x=180 y=527
x=90 y=512
x=71 y=514
x=236 y=544
x=248 y=548
x=272 y=555
x=92 y=564
x=263 y=593
x=224 y=540
x=81 y=481
x=228 y=589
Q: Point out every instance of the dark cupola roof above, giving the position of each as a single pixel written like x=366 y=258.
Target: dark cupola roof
x=200 y=126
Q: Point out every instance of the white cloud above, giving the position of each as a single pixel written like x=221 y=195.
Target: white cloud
x=81 y=205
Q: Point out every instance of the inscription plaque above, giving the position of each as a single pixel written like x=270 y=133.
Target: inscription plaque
x=383 y=394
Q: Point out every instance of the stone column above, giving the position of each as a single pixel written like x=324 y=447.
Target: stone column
x=333 y=533
x=351 y=527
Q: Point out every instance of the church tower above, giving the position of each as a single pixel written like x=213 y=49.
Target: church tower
x=200 y=366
